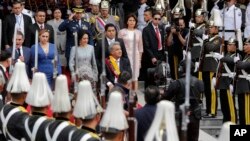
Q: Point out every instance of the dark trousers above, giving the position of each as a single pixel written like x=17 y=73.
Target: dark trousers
x=244 y=108
x=210 y=93
x=174 y=62
x=228 y=109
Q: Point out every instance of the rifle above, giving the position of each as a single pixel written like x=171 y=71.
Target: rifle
x=13 y=52
x=185 y=106
x=103 y=75
x=34 y=69
x=55 y=60
x=76 y=65
x=222 y=48
x=132 y=103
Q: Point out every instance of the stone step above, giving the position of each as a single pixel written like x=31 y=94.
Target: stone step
x=211 y=130
x=218 y=120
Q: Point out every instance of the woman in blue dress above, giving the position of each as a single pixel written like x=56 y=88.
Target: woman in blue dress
x=46 y=55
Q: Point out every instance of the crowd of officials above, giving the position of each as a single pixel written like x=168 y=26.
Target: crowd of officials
x=53 y=74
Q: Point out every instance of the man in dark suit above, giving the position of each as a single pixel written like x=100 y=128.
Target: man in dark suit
x=110 y=37
x=115 y=64
x=153 y=38
x=22 y=21
x=5 y=61
x=22 y=53
x=146 y=114
x=40 y=24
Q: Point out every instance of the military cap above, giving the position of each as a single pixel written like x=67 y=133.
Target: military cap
x=94 y=2
x=104 y=4
x=199 y=12
x=247 y=41
x=78 y=9
x=231 y=40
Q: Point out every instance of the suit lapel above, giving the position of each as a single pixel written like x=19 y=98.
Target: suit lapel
x=153 y=30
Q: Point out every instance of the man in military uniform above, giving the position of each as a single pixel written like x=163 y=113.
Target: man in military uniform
x=197 y=42
x=209 y=66
x=13 y=128
x=226 y=83
x=104 y=19
x=243 y=86
x=232 y=18
x=72 y=25
x=177 y=89
x=95 y=10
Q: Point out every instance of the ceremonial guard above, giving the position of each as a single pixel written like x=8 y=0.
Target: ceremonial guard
x=39 y=98
x=177 y=91
x=211 y=45
x=14 y=114
x=61 y=129
x=232 y=18
x=88 y=111
x=72 y=25
x=95 y=11
x=225 y=84
x=104 y=19
x=114 y=126
x=197 y=41
x=243 y=86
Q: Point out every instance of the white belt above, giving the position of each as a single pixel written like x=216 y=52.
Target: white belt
x=230 y=75
x=247 y=77
x=197 y=44
x=209 y=55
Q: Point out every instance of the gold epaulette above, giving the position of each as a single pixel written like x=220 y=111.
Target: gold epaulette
x=117 y=18
x=94 y=135
x=92 y=20
x=21 y=108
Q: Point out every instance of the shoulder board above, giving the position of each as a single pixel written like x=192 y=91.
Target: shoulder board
x=22 y=109
x=94 y=135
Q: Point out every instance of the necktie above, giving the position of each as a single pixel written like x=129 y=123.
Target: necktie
x=19 y=51
x=41 y=27
x=158 y=37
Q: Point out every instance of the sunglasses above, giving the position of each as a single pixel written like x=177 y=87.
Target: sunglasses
x=157 y=19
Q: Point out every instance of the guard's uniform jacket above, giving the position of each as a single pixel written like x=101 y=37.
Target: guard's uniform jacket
x=243 y=90
x=211 y=46
x=232 y=21
x=243 y=85
x=60 y=130
x=197 y=41
x=12 y=122
x=85 y=134
x=227 y=72
x=71 y=27
x=35 y=126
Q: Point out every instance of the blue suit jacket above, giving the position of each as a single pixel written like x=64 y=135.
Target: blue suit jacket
x=27 y=59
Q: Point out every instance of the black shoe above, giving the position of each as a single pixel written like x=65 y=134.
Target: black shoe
x=209 y=116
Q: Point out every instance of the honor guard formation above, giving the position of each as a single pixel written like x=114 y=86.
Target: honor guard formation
x=70 y=69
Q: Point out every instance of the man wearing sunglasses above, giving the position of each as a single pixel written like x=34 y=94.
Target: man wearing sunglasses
x=153 y=38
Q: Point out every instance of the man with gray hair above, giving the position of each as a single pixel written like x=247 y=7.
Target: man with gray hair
x=115 y=64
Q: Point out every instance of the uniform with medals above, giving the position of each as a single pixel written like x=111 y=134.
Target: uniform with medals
x=209 y=66
x=39 y=98
x=72 y=26
x=243 y=86
x=104 y=19
x=14 y=114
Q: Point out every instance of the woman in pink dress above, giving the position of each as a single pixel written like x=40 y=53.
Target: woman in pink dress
x=128 y=34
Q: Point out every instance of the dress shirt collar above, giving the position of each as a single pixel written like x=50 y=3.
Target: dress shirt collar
x=111 y=40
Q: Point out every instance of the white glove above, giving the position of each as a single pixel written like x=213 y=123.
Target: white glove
x=184 y=52
x=191 y=25
x=217 y=56
x=237 y=58
x=196 y=66
x=204 y=36
x=214 y=81
x=231 y=88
